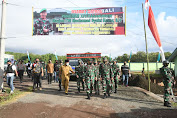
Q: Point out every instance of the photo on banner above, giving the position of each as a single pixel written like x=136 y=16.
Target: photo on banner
x=82 y=21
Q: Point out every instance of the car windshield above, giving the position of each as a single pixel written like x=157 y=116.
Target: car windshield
x=73 y=63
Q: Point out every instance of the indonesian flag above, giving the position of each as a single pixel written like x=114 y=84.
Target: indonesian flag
x=154 y=30
x=147 y=4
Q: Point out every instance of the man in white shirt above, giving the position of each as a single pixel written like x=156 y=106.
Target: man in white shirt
x=10 y=72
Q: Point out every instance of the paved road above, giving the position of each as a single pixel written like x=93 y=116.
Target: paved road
x=50 y=103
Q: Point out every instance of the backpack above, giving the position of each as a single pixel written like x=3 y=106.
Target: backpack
x=9 y=69
x=38 y=68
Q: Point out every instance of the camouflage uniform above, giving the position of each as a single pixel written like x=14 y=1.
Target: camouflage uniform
x=106 y=74
x=115 y=69
x=97 y=82
x=80 y=73
x=168 y=80
x=39 y=25
x=90 y=75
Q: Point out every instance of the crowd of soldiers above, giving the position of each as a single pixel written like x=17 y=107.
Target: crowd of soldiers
x=94 y=76
x=98 y=76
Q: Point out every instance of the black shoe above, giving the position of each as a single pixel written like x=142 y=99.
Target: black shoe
x=59 y=89
x=167 y=104
x=104 y=96
x=109 y=95
x=115 y=91
x=66 y=93
x=88 y=96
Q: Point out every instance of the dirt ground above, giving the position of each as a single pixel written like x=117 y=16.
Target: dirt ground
x=50 y=103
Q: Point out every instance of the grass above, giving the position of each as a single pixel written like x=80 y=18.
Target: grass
x=174 y=104
x=6 y=97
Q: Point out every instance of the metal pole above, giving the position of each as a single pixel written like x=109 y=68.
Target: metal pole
x=2 y=42
x=146 y=48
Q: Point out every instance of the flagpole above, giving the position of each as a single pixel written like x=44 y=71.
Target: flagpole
x=146 y=47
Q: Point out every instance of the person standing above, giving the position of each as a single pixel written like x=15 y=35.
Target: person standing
x=59 y=77
x=90 y=76
x=50 y=70
x=56 y=71
x=10 y=73
x=65 y=75
x=80 y=75
x=38 y=72
x=28 y=68
x=21 y=69
x=115 y=69
x=107 y=75
x=143 y=73
x=168 y=81
x=125 y=73
x=97 y=80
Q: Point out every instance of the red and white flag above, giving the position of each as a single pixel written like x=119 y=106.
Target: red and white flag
x=147 y=4
x=154 y=30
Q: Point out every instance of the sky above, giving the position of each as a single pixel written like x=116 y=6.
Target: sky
x=19 y=28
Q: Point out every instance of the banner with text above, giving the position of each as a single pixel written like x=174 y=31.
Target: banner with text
x=82 y=21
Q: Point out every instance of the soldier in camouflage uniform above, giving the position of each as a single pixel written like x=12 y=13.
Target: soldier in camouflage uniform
x=115 y=69
x=107 y=75
x=90 y=76
x=168 y=80
x=42 y=26
x=97 y=81
x=80 y=75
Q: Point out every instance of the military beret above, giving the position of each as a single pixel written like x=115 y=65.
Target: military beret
x=66 y=60
x=43 y=10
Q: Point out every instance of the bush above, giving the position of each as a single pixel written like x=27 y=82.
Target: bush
x=139 y=81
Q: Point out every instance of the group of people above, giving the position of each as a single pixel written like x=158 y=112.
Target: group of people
x=101 y=76
x=94 y=76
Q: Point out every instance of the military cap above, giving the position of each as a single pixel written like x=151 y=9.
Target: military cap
x=43 y=10
x=66 y=60
x=165 y=62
